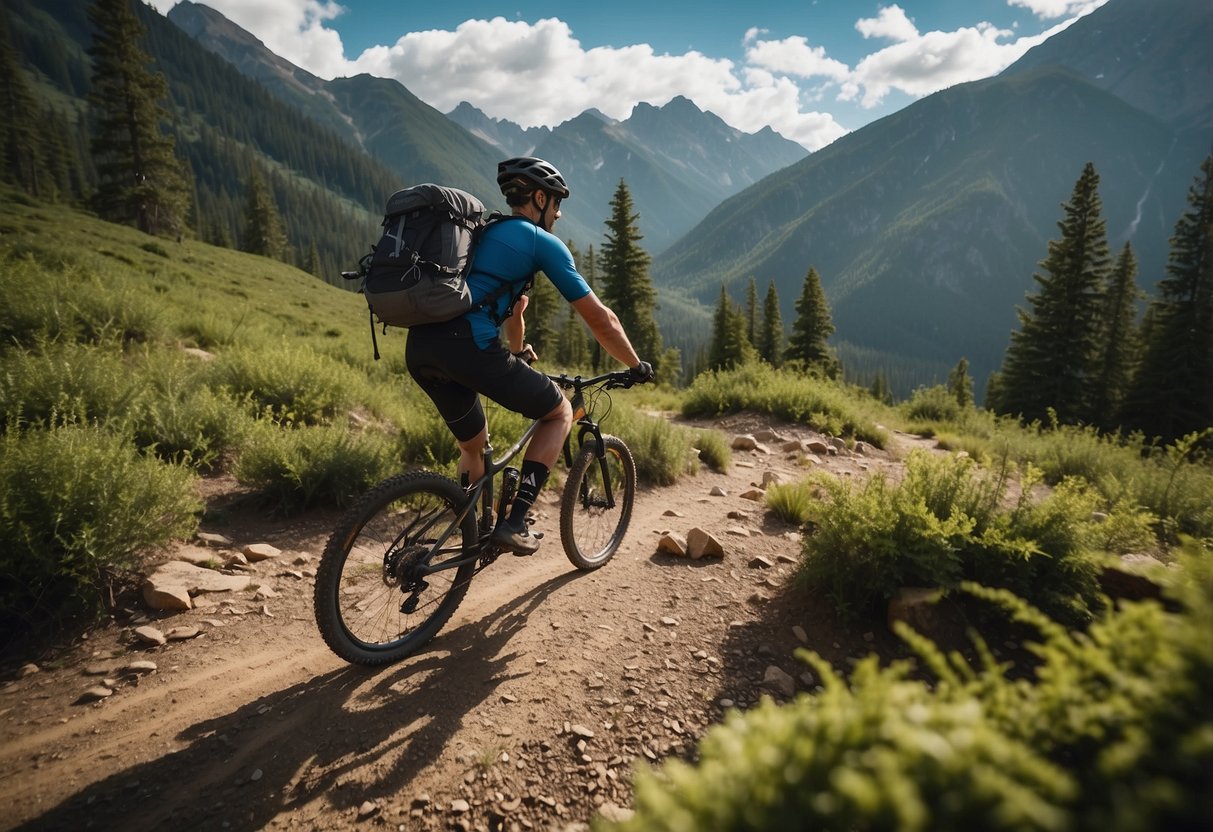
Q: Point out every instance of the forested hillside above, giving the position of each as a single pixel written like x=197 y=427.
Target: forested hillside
x=926 y=226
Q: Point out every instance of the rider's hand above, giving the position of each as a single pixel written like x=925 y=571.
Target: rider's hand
x=527 y=354
x=643 y=372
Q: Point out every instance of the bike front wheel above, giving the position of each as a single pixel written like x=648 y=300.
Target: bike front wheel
x=374 y=601
x=597 y=503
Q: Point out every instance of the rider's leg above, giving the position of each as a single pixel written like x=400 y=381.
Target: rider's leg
x=471 y=455
x=541 y=455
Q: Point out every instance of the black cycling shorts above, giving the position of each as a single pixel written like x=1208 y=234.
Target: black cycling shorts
x=446 y=363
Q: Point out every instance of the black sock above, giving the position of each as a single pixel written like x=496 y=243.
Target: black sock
x=533 y=476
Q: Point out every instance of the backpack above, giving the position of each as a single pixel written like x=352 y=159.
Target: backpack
x=417 y=272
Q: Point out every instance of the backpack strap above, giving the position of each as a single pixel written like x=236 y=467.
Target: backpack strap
x=489 y=300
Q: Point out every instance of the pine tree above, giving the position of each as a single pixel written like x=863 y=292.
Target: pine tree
x=751 y=311
x=262 y=225
x=730 y=343
x=313 y=265
x=573 y=347
x=626 y=287
x=21 y=160
x=960 y=383
x=1052 y=361
x=1120 y=345
x=1172 y=393
x=543 y=309
x=807 y=343
x=770 y=334
x=880 y=389
x=590 y=272
x=140 y=180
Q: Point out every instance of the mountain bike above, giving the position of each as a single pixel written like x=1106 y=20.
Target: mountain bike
x=400 y=560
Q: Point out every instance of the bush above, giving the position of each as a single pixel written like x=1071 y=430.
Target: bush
x=1112 y=733
x=298 y=468
x=294 y=385
x=662 y=450
x=945 y=522
x=784 y=394
x=183 y=420
x=80 y=505
x=794 y=502
x=69 y=382
x=932 y=404
x=714 y=450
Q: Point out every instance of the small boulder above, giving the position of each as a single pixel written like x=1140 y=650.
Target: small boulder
x=717 y=491
x=755 y=494
x=150 y=635
x=816 y=446
x=672 y=544
x=257 y=552
x=701 y=544
x=745 y=442
x=777 y=680
x=166 y=596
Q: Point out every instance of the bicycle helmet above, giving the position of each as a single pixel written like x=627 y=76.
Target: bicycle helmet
x=523 y=173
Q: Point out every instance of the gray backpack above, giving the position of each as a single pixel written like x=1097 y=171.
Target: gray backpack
x=417 y=272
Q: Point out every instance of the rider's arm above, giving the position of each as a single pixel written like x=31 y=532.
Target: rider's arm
x=607 y=329
x=515 y=327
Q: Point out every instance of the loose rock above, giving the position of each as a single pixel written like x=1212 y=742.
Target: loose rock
x=256 y=552
x=150 y=635
x=701 y=544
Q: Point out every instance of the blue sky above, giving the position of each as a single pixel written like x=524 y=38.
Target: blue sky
x=811 y=69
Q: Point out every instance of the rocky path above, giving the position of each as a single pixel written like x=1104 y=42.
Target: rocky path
x=528 y=711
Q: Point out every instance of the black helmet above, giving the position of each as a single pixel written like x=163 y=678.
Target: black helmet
x=531 y=170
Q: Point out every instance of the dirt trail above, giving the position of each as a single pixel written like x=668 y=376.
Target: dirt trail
x=526 y=712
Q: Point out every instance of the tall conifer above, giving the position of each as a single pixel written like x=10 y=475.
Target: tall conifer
x=1172 y=394
x=770 y=333
x=140 y=179
x=813 y=326
x=1052 y=361
x=730 y=343
x=263 y=232
x=751 y=311
x=626 y=287
x=21 y=160
x=1119 y=347
x=960 y=383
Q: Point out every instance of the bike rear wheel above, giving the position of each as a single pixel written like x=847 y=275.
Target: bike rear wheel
x=372 y=604
x=592 y=525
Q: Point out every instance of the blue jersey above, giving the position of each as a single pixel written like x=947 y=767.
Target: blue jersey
x=510 y=251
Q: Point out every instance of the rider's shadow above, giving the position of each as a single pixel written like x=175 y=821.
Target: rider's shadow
x=349 y=736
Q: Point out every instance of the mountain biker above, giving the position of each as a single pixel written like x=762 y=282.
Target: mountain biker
x=456 y=361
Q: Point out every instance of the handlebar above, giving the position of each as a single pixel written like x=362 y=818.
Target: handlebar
x=609 y=381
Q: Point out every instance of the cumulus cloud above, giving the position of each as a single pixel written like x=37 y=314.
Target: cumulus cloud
x=293 y=29
x=891 y=23
x=1053 y=9
x=920 y=64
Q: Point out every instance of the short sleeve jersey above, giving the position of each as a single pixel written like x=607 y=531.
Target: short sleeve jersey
x=510 y=251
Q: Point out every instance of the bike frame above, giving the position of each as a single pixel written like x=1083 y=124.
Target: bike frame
x=482 y=491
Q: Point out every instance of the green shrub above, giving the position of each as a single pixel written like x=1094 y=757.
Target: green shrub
x=786 y=395
x=290 y=384
x=662 y=450
x=714 y=450
x=71 y=382
x=794 y=502
x=80 y=505
x=297 y=468
x=1112 y=732
x=183 y=420
x=946 y=522
x=932 y=404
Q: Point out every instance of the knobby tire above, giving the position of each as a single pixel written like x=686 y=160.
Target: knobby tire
x=590 y=531
x=362 y=591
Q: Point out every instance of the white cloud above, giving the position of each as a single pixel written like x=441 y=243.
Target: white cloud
x=794 y=56
x=1053 y=9
x=891 y=23
x=293 y=29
